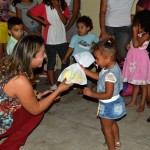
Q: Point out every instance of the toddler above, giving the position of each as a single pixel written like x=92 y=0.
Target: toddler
x=109 y=85
x=136 y=68
x=83 y=41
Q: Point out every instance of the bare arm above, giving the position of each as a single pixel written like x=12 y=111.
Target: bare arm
x=75 y=11
x=69 y=51
x=93 y=75
x=109 y=88
x=19 y=15
x=27 y=97
x=102 y=16
x=39 y=19
x=56 y=5
x=11 y=14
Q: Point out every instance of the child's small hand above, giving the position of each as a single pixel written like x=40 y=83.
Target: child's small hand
x=104 y=35
x=136 y=27
x=83 y=67
x=64 y=61
x=45 y=23
x=128 y=47
x=36 y=33
x=87 y=91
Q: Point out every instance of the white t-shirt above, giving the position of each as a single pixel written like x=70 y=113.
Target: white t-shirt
x=57 y=32
x=118 y=13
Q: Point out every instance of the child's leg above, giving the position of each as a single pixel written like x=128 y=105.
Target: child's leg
x=132 y=104
x=51 y=55
x=143 y=98
x=62 y=50
x=148 y=96
x=51 y=77
x=115 y=129
x=107 y=128
x=24 y=123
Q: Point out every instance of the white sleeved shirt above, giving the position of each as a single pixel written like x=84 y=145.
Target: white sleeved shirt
x=118 y=13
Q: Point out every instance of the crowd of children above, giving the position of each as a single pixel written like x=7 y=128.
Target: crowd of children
x=53 y=15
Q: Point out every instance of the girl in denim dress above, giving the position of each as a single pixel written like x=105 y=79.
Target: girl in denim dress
x=109 y=85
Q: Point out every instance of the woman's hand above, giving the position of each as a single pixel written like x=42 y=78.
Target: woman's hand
x=63 y=86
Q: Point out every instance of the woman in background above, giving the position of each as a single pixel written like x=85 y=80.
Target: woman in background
x=115 y=20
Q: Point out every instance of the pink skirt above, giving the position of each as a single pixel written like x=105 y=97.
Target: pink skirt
x=136 y=69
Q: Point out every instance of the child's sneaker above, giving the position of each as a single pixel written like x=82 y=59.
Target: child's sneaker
x=53 y=88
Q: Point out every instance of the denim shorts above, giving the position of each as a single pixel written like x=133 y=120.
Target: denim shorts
x=112 y=110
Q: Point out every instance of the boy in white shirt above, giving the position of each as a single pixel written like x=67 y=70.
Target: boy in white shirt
x=15 y=29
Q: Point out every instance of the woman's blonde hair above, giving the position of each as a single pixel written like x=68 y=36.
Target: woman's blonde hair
x=20 y=59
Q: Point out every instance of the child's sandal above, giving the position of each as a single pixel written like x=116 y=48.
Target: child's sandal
x=117 y=144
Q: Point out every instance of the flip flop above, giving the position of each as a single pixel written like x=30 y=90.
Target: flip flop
x=148 y=104
x=148 y=120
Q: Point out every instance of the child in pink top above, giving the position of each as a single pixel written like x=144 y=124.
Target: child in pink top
x=136 y=68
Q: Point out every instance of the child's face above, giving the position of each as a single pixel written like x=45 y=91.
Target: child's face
x=82 y=29
x=17 y=31
x=101 y=61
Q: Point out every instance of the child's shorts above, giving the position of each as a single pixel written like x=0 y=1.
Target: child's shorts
x=112 y=110
x=4 y=37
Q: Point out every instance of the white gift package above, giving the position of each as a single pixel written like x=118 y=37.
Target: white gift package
x=73 y=74
x=84 y=58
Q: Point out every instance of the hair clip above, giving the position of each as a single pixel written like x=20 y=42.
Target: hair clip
x=109 y=41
